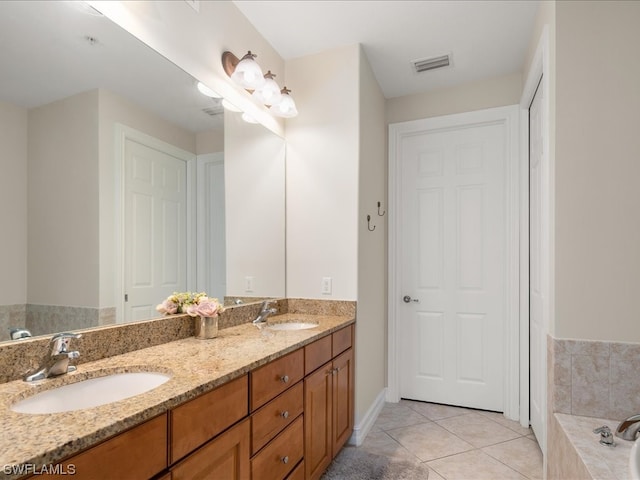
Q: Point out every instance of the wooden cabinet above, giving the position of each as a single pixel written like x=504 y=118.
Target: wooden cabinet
x=140 y=452
x=272 y=418
x=225 y=457
x=285 y=420
x=197 y=421
x=277 y=428
x=275 y=377
x=281 y=455
x=328 y=406
x=343 y=397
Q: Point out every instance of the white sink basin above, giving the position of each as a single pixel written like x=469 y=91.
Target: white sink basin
x=91 y=393
x=634 y=461
x=292 y=325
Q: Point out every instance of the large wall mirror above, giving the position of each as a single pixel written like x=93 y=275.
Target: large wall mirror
x=121 y=182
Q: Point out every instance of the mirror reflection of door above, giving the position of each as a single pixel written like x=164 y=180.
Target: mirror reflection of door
x=155 y=227
x=211 y=247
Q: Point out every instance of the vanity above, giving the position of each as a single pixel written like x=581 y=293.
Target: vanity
x=251 y=403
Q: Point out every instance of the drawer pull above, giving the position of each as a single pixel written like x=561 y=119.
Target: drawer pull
x=285 y=378
x=285 y=459
x=285 y=414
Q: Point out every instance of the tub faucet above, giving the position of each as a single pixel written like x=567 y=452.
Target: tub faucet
x=265 y=312
x=629 y=428
x=56 y=362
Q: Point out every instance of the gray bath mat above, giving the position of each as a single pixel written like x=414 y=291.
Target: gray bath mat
x=355 y=464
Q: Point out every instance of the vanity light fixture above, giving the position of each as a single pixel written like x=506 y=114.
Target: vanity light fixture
x=230 y=106
x=248 y=118
x=207 y=92
x=267 y=91
x=269 y=94
x=245 y=72
x=286 y=108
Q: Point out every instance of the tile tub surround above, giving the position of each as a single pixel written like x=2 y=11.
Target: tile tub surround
x=197 y=366
x=577 y=453
x=588 y=381
x=19 y=357
x=594 y=379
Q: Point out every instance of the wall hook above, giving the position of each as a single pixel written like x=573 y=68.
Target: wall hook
x=380 y=214
x=369 y=224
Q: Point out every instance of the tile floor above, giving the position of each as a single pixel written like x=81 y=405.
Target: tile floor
x=456 y=443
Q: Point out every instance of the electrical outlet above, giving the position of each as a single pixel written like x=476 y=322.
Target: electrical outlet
x=326 y=285
x=248 y=284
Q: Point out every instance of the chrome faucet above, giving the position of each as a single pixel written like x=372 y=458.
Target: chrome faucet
x=19 y=333
x=629 y=428
x=56 y=362
x=265 y=312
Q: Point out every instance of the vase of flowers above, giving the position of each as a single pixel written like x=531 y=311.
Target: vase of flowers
x=204 y=309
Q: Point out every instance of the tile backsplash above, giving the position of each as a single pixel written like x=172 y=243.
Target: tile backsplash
x=594 y=378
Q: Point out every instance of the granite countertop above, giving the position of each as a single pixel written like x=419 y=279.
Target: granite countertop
x=196 y=366
x=603 y=463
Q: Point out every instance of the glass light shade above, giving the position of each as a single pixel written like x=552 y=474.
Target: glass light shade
x=207 y=92
x=248 y=118
x=269 y=93
x=248 y=73
x=230 y=106
x=286 y=107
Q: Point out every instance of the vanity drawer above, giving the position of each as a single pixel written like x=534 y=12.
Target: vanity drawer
x=298 y=472
x=278 y=458
x=317 y=354
x=275 y=377
x=342 y=340
x=137 y=453
x=269 y=420
x=199 y=420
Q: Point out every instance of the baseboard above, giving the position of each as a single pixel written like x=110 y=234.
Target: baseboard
x=363 y=427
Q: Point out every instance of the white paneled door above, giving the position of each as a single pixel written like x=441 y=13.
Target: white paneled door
x=155 y=232
x=453 y=241
x=537 y=336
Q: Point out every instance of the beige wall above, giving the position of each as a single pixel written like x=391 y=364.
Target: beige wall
x=322 y=175
x=597 y=170
x=13 y=204
x=210 y=142
x=371 y=330
x=494 y=92
x=63 y=202
x=254 y=166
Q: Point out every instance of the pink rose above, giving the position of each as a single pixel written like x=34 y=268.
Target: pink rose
x=206 y=307
x=167 y=307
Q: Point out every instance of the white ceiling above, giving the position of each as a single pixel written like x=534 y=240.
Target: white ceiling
x=484 y=38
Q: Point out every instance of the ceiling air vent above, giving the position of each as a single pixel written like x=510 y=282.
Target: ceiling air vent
x=431 y=63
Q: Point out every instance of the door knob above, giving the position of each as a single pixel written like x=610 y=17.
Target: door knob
x=408 y=299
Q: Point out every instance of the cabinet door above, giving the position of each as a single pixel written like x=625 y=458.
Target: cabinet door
x=343 y=396
x=225 y=457
x=317 y=421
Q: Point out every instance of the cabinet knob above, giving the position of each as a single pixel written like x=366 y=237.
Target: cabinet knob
x=285 y=378
x=285 y=414
x=285 y=459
